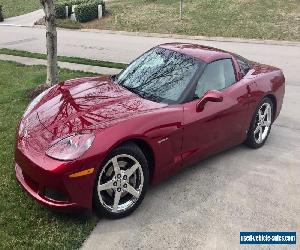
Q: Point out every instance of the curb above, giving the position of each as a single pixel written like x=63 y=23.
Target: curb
x=203 y=38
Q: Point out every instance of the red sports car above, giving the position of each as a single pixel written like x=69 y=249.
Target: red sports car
x=100 y=141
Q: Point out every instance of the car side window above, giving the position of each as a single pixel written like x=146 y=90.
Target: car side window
x=216 y=76
x=244 y=64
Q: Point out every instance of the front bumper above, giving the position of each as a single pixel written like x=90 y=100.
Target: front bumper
x=37 y=180
x=36 y=192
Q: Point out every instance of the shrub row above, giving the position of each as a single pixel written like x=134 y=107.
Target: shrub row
x=86 y=10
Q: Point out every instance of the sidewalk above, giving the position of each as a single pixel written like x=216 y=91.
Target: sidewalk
x=24 y=20
x=64 y=65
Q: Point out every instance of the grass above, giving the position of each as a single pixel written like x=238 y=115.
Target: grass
x=19 y=7
x=65 y=23
x=77 y=60
x=260 y=19
x=24 y=224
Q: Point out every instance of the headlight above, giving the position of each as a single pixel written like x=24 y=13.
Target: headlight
x=71 y=147
x=36 y=101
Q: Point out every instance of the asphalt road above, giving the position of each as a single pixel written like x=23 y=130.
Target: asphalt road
x=206 y=205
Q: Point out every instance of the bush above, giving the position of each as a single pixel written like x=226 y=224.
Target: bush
x=60 y=7
x=74 y=2
x=88 y=11
x=1 y=14
x=60 y=10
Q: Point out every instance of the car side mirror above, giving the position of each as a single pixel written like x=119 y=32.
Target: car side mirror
x=210 y=96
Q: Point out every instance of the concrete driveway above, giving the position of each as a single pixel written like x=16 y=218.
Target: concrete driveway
x=206 y=205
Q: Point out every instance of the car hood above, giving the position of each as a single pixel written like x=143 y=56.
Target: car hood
x=85 y=104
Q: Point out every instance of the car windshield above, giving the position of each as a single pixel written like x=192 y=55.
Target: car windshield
x=159 y=75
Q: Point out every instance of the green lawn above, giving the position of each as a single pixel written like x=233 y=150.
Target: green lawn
x=262 y=19
x=19 y=7
x=24 y=224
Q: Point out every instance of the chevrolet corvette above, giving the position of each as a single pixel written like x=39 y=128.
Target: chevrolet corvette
x=99 y=142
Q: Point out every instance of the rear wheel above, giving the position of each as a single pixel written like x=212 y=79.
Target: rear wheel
x=261 y=123
x=122 y=182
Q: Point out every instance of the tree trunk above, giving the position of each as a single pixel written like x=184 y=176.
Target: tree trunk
x=51 y=42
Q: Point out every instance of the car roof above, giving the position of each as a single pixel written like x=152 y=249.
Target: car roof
x=203 y=53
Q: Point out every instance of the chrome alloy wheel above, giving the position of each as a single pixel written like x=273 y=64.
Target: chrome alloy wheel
x=120 y=183
x=263 y=122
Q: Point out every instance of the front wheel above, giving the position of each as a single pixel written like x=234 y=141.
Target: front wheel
x=122 y=182
x=261 y=123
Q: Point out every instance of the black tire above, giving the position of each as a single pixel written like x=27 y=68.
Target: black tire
x=251 y=140
x=134 y=151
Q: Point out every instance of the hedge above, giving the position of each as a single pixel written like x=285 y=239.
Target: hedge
x=1 y=14
x=86 y=10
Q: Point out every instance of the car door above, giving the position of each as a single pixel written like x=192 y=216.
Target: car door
x=220 y=124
